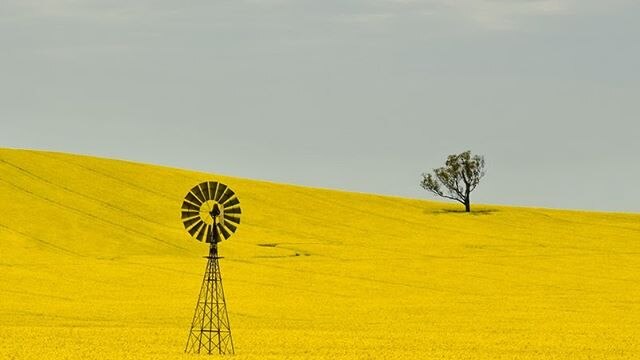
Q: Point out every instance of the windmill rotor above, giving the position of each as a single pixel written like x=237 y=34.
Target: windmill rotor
x=211 y=212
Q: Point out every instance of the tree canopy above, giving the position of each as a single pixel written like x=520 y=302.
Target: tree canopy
x=456 y=180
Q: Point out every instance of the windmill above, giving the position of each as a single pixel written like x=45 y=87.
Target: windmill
x=211 y=213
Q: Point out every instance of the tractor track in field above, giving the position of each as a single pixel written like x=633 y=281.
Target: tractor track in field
x=88 y=197
x=43 y=242
x=107 y=175
x=354 y=277
x=92 y=216
x=407 y=221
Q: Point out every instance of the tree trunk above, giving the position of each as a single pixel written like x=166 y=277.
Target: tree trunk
x=467 y=205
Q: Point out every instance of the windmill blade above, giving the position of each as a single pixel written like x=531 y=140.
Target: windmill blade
x=201 y=233
x=196 y=228
x=234 y=210
x=217 y=237
x=193 y=206
x=220 y=191
x=192 y=199
x=227 y=194
x=230 y=226
x=198 y=193
x=233 y=219
x=204 y=191
x=233 y=201
x=209 y=233
x=212 y=186
x=187 y=206
x=189 y=214
x=223 y=231
x=189 y=222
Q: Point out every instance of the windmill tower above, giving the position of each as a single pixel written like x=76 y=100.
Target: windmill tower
x=211 y=213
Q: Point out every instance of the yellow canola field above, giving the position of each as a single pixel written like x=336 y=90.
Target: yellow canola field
x=95 y=264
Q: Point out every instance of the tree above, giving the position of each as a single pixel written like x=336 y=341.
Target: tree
x=459 y=177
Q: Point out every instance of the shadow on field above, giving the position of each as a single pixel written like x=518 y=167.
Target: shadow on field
x=461 y=211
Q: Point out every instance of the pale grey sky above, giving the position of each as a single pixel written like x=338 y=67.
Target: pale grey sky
x=355 y=95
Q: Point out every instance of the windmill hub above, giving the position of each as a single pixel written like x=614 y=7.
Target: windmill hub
x=209 y=210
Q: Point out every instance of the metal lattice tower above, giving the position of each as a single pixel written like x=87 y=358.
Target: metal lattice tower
x=210 y=213
x=210 y=329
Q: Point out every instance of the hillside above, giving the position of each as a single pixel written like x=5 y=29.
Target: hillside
x=95 y=264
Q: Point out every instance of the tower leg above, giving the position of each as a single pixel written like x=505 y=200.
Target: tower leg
x=210 y=328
